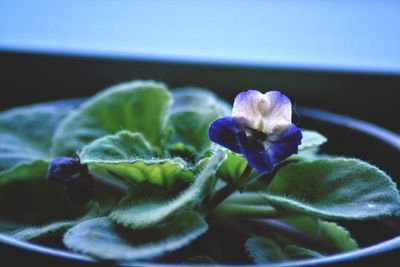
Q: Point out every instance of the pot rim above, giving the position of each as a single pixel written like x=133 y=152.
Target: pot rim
x=367 y=128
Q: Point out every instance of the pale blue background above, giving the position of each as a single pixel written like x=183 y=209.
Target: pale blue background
x=333 y=35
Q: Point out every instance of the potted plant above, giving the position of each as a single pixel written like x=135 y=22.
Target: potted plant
x=143 y=175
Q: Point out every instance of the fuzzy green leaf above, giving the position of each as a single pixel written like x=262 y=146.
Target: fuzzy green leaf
x=142 y=212
x=129 y=155
x=311 y=139
x=246 y=205
x=55 y=229
x=25 y=141
x=25 y=133
x=136 y=106
x=264 y=250
x=100 y=238
x=233 y=166
x=199 y=99
x=36 y=234
x=334 y=188
x=24 y=171
x=193 y=110
x=332 y=234
x=295 y=252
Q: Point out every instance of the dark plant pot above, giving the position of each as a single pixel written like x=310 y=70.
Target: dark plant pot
x=379 y=239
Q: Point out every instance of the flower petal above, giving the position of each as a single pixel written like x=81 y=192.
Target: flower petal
x=246 y=106
x=223 y=131
x=277 y=112
x=263 y=156
x=269 y=113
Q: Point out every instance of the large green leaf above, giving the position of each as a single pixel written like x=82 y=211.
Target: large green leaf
x=331 y=234
x=198 y=99
x=136 y=106
x=193 y=110
x=25 y=141
x=25 y=133
x=334 y=188
x=129 y=155
x=100 y=238
x=142 y=212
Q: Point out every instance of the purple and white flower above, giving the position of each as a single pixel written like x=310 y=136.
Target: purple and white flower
x=260 y=128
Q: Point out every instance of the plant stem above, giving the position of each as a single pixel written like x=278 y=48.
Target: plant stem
x=237 y=210
x=113 y=186
x=230 y=227
x=227 y=190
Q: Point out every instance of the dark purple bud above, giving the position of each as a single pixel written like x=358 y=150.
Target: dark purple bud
x=75 y=176
x=64 y=169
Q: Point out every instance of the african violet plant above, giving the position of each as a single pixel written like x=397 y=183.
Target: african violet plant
x=141 y=173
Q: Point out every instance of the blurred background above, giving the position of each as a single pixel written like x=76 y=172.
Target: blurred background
x=341 y=56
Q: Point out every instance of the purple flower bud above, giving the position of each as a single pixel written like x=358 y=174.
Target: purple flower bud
x=75 y=176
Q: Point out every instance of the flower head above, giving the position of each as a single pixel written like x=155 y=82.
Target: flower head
x=260 y=128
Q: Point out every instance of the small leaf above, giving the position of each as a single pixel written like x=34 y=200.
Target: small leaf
x=309 y=154
x=233 y=166
x=335 y=188
x=311 y=139
x=136 y=106
x=264 y=250
x=192 y=112
x=36 y=234
x=137 y=212
x=130 y=156
x=330 y=233
x=100 y=238
x=296 y=252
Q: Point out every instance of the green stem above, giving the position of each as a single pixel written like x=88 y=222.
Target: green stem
x=228 y=189
x=113 y=186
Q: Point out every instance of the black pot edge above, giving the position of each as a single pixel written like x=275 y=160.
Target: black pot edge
x=378 y=132
x=388 y=246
